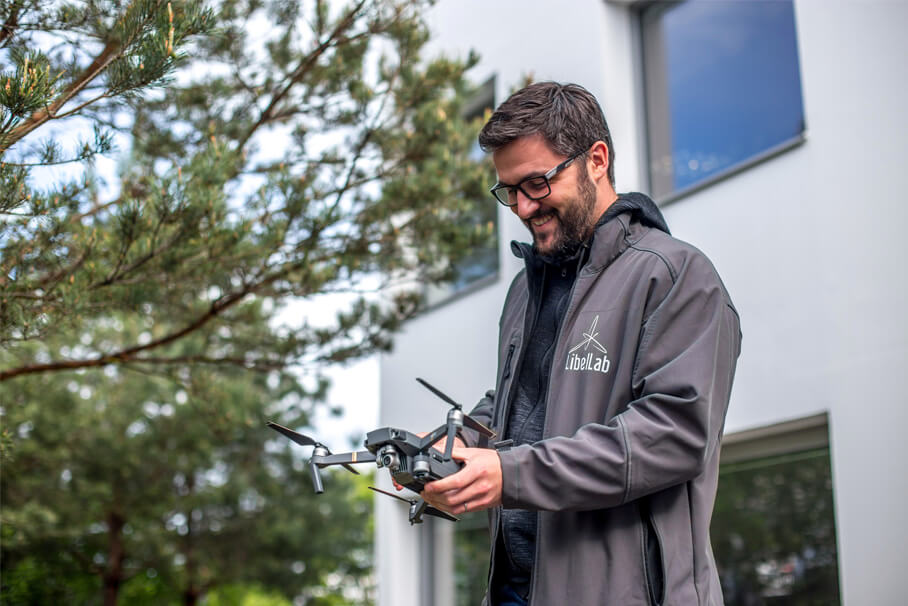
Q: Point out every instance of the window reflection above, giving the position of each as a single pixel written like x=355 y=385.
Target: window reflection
x=773 y=531
x=722 y=85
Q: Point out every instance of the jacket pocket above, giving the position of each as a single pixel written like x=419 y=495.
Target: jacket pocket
x=507 y=364
x=502 y=390
x=653 y=568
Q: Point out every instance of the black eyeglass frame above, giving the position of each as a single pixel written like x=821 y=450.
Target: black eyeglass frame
x=545 y=177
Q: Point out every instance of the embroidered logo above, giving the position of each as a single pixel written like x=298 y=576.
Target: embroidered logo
x=581 y=358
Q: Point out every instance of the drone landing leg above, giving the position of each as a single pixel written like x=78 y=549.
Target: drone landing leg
x=417 y=508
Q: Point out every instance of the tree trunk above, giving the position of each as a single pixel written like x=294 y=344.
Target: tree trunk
x=191 y=596
x=116 y=553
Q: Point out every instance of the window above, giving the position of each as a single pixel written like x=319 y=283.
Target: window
x=723 y=88
x=773 y=528
x=471 y=558
x=480 y=266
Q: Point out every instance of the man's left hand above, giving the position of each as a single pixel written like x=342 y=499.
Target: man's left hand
x=476 y=486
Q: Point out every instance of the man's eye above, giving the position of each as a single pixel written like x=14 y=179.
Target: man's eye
x=535 y=185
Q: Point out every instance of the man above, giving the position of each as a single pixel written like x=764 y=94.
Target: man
x=617 y=350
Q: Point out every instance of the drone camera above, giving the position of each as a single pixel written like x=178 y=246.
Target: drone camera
x=387 y=457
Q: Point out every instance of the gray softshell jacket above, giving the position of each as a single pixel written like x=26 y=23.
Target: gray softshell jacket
x=625 y=476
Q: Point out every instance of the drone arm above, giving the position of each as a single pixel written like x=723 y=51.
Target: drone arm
x=449 y=441
x=431 y=438
x=345 y=459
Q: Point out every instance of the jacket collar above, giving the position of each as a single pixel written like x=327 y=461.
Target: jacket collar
x=614 y=232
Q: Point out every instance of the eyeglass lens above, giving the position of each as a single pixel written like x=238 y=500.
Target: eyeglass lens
x=533 y=188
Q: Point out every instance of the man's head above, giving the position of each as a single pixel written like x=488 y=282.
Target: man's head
x=553 y=152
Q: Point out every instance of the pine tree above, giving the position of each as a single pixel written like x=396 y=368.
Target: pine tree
x=301 y=149
x=267 y=151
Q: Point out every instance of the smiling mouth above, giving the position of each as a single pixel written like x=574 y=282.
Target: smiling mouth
x=539 y=221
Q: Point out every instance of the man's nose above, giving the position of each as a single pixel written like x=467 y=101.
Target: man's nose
x=525 y=207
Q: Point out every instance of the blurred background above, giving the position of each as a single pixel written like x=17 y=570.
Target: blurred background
x=215 y=214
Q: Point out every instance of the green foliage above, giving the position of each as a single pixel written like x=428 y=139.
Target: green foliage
x=245 y=595
x=162 y=489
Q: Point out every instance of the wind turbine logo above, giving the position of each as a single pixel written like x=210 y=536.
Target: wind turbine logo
x=589 y=338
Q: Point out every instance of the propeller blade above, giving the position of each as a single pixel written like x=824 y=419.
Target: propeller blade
x=392 y=495
x=476 y=425
x=296 y=437
x=304 y=441
x=467 y=419
x=431 y=511
x=438 y=393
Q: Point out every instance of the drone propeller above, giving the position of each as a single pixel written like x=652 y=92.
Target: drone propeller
x=305 y=441
x=415 y=507
x=467 y=419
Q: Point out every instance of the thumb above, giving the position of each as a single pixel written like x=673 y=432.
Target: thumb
x=461 y=454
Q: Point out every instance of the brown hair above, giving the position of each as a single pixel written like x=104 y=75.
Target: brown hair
x=567 y=116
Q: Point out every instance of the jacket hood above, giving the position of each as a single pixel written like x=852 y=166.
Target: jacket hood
x=639 y=205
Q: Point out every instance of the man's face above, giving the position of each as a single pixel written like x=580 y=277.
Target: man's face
x=565 y=218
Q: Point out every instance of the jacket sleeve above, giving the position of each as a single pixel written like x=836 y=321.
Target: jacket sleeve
x=681 y=383
x=482 y=412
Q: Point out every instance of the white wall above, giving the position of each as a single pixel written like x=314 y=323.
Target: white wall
x=810 y=245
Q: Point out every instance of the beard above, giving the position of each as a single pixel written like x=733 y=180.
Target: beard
x=576 y=221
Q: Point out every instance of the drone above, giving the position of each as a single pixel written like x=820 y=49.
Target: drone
x=411 y=459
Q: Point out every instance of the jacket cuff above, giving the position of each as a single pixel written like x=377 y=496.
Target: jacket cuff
x=510 y=474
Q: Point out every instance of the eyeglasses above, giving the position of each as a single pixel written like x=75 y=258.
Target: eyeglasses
x=534 y=188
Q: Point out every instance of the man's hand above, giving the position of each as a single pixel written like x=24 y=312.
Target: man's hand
x=476 y=486
x=439 y=446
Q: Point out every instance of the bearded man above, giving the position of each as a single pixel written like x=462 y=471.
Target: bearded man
x=617 y=350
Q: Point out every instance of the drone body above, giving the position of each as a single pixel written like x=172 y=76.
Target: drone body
x=410 y=458
x=404 y=454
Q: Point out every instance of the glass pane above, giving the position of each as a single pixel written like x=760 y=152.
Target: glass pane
x=773 y=531
x=471 y=558
x=723 y=85
x=482 y=261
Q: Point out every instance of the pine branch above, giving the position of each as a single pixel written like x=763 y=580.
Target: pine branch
x=107 y=56
x=9 y=26
x=300 y=72
x=131 y=354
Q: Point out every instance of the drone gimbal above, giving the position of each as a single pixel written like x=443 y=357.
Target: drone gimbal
x=410 y=458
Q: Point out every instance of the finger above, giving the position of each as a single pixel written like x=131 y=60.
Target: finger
x=453 y=482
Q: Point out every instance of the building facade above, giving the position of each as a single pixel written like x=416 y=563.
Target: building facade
x=777 y=143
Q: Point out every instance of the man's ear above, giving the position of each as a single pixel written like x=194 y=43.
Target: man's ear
x=598 y=161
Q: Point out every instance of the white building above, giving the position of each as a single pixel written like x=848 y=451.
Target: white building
x=805 y=226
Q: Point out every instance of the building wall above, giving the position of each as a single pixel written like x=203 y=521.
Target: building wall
x=809 y=244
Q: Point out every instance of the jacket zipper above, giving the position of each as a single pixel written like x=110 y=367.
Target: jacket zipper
x=545 y=422
x=509 y=396
x=498 y=420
